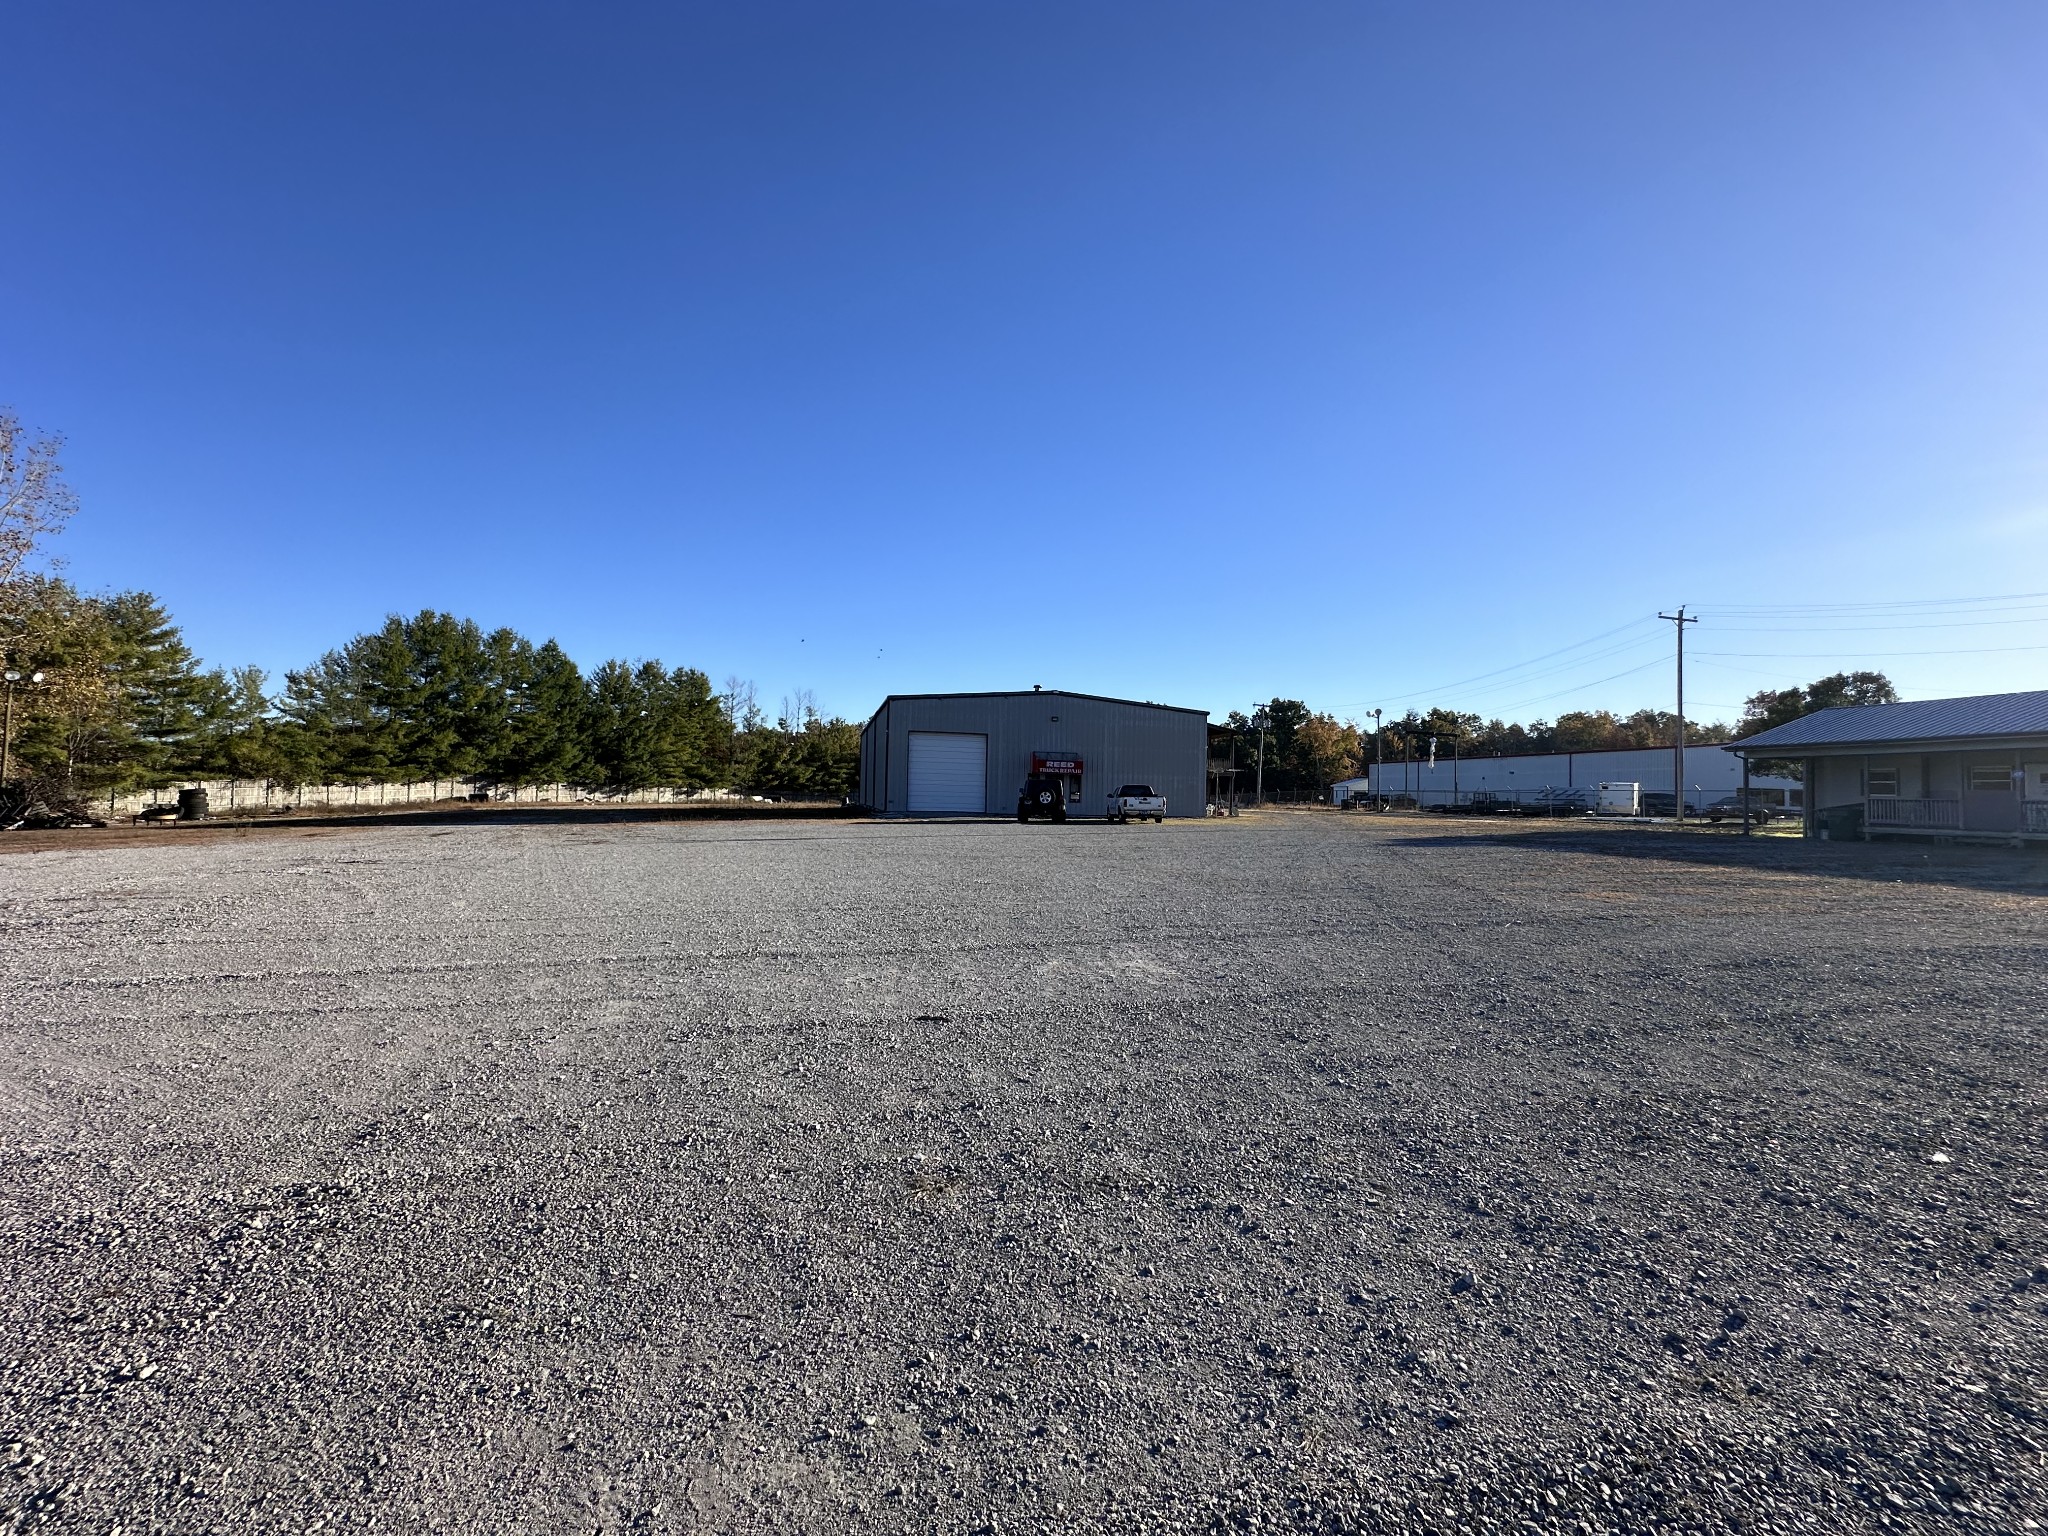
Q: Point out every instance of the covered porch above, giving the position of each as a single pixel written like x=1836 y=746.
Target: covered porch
x=1960 y=793
x=1973 y=769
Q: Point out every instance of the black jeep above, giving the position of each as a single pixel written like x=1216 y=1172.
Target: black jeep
x=1043 y=794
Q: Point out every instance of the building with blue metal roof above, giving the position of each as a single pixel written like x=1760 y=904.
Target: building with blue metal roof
x=970 y=754
x=1970 y=767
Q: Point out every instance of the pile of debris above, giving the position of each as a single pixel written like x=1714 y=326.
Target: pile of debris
x=37 y=804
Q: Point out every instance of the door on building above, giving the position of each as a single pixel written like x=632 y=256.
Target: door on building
x=948 y=774
x=1991 y=794
x=1067 y=768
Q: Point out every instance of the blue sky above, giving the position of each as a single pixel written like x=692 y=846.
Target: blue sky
x=1190 y=352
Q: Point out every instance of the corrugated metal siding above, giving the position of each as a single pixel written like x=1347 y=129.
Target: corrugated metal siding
x=1118 y=743
x=1717 y=772
x=1991 y=715
x=874 y=758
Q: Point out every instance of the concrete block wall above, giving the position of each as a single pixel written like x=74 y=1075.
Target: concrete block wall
x=227 y=797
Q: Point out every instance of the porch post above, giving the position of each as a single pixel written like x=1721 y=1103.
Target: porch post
x=1745 y=795
x=1962 y=792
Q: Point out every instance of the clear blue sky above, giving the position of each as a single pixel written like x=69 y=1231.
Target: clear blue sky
x=1191 y=352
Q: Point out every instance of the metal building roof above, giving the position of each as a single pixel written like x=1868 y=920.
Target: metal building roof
x=1989 y=715
x=1048 y=693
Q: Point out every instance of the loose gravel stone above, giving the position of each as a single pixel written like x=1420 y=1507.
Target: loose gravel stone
x=1300 y=1173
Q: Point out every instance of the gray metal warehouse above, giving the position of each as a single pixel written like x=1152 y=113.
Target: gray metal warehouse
x=968 y=754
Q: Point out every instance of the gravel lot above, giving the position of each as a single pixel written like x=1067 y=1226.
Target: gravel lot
x=1301 y=1172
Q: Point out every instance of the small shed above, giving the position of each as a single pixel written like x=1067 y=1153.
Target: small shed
x=1972 y=767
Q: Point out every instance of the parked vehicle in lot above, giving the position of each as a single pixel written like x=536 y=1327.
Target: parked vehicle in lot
x=1619 y=800
x=1135 y=802
x=1043 y=794
x=1729 y=808
x=1654 y=802
x=1559 y=800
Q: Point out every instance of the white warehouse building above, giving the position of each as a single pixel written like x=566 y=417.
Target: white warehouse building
x=1711 y=773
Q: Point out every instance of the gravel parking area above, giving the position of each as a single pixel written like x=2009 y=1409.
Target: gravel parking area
x=1298 y=1173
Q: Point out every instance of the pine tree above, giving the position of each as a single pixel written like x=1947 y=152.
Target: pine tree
x=541 y=738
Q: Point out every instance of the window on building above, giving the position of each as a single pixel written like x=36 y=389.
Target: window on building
x=1990 y=776
x=1884 y=781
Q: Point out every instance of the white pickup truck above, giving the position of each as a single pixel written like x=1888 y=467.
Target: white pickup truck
x=1135 y=802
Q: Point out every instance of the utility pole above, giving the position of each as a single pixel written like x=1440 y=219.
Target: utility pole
x=1678 y=738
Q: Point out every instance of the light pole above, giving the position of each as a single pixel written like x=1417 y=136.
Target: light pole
x=1259 y=789
x=515 y=723
x=7 y=733
x=1379 y=759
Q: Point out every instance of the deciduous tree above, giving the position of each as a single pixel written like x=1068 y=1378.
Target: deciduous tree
x=1780 y=706
x=35 y=500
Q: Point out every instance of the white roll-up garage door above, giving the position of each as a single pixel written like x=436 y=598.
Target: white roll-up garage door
x=948 y=774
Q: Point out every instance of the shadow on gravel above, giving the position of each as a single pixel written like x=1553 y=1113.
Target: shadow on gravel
x=1982 y=868
x=169 y=833
x=552 y=815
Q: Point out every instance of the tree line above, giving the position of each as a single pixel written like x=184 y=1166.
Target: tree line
x=107 y=696
x=121 y=703
x=103 y=694
x=1307 y=750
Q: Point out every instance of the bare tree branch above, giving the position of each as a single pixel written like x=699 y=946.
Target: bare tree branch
x=34 y=500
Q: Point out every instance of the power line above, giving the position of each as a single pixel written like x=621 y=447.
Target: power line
x=1904 y=605
x=1522 y=665
x=1574 y=664
x=1720 y=666
x=1518 y=666
x=1846 y=629
x=1965 y=609
x=1979 y=650
x=1655 y=661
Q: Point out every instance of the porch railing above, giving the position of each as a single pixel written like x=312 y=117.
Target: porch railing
x=1901 y=811
x=2037 y=815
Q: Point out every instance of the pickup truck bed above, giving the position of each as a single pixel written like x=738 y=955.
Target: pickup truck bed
x=1136 y=802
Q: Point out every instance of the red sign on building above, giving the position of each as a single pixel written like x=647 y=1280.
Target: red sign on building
x=1055 y=762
